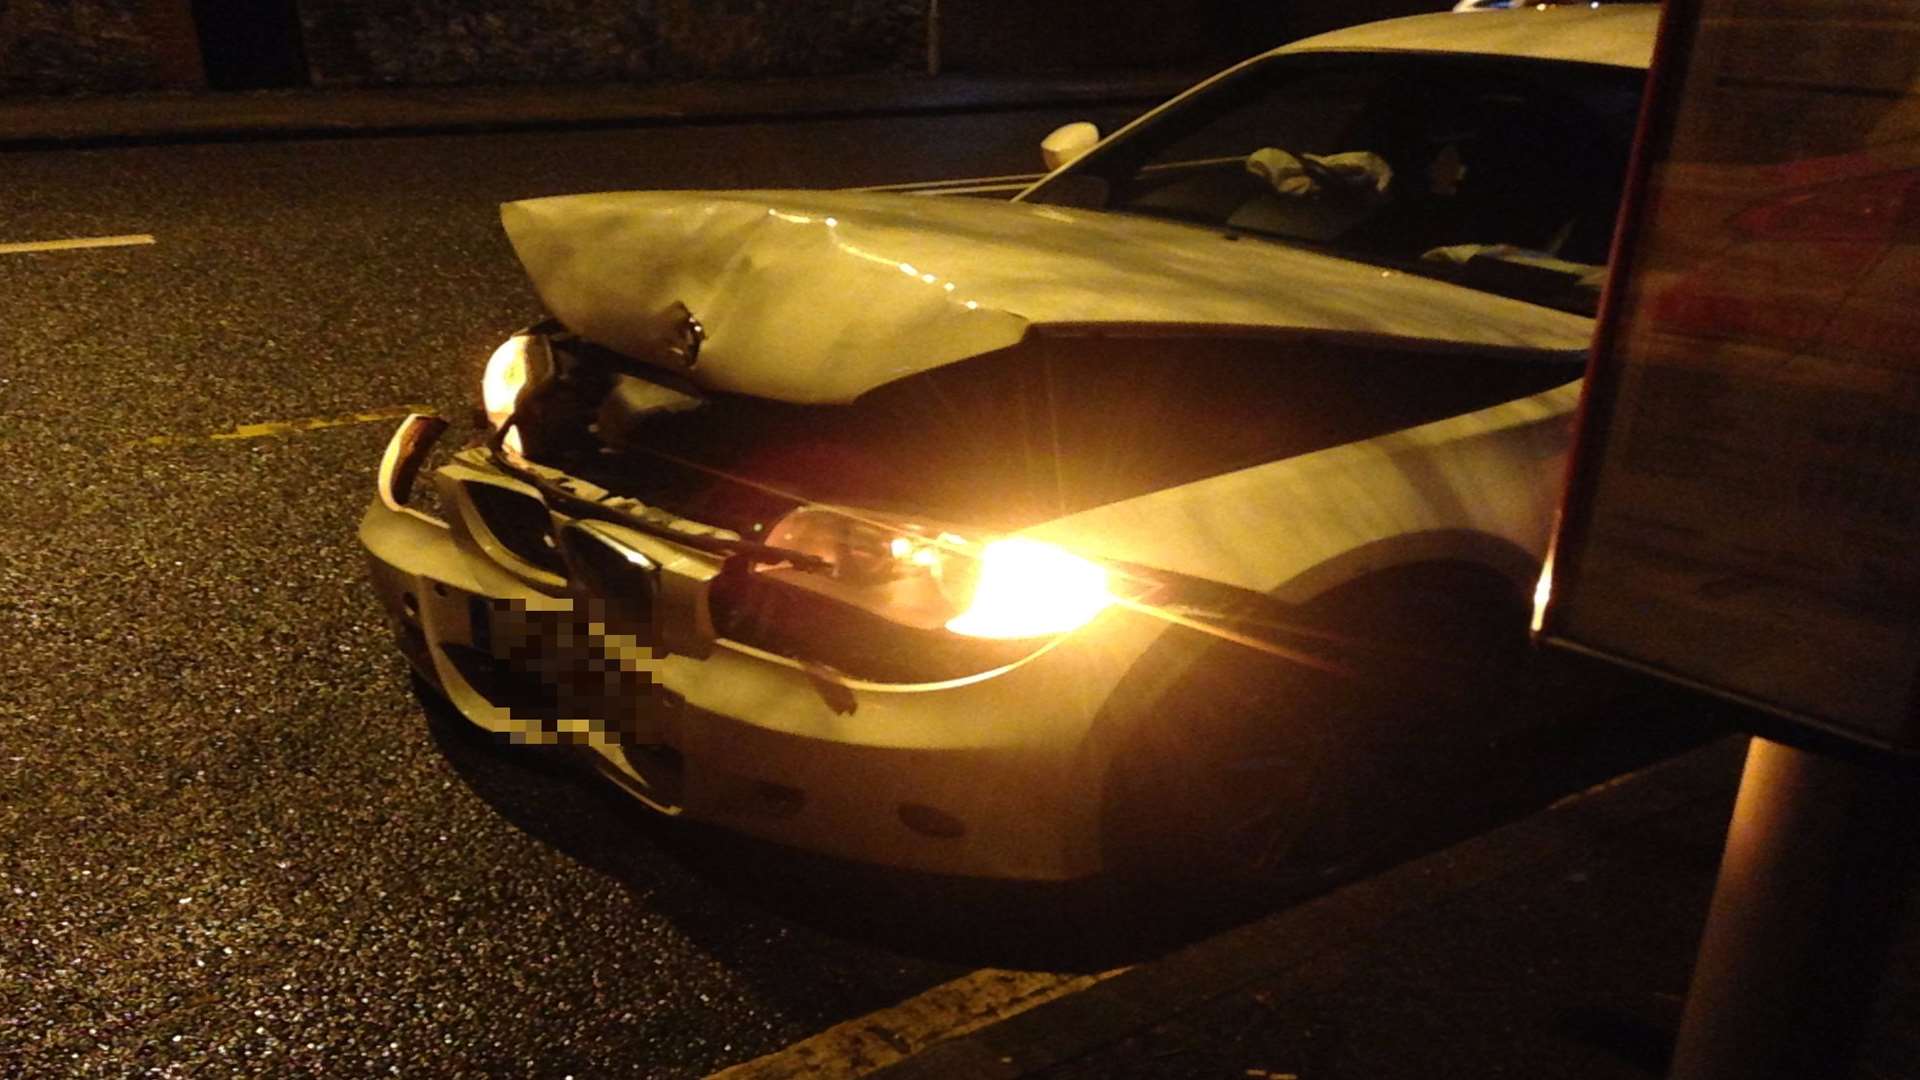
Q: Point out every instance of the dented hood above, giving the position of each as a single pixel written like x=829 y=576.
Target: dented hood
x=810 y=296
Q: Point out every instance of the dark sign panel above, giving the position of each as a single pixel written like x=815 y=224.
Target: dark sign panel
x=1744 y=512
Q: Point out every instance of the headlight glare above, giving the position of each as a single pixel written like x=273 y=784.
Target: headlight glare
x=925 y=577
x=1027 y=588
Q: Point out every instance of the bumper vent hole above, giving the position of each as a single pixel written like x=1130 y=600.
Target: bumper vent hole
x=778 y=800
x=930 y=822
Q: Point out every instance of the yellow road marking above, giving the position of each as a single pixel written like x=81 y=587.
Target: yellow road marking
x=860 y=1046
x=273 y=429
x=75 y=243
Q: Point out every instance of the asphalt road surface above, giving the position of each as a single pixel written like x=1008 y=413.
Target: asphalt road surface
x=232 y=841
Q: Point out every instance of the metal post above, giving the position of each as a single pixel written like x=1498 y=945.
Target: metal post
x=1816 y=871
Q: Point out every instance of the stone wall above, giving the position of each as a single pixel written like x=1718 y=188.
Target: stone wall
x=790 y=37
x=1016 y=36
x=57 y=46
x=454 y=41
x=447 y=41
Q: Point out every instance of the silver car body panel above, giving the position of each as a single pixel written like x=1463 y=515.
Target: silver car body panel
x=818 y=297
x=1480 y=487
x=1019 y=757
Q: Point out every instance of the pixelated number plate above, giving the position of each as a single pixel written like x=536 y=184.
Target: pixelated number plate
x=564 y=676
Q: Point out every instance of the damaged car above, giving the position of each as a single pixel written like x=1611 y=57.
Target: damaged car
x=1158 y=519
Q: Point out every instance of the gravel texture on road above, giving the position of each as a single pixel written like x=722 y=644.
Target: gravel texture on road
x=231 y=839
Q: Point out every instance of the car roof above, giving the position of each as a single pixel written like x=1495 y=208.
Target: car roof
x=1620 y=35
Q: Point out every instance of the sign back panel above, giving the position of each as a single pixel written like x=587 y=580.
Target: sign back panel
x=1744 y=505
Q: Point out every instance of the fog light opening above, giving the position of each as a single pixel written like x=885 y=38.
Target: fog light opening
x=927 y=821
x=778 y=800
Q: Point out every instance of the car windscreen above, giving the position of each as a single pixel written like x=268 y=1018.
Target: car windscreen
x=1500 y=174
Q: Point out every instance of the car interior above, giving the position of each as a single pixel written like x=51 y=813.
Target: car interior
x=1503 y=176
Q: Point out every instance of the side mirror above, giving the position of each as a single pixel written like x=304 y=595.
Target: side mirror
x=1068 y=141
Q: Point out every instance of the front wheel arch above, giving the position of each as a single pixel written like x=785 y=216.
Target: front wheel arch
x=1426 y=642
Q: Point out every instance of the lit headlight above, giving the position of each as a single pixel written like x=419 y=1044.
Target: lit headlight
x=500 y=386
x=1027 y=588
x=927 y=578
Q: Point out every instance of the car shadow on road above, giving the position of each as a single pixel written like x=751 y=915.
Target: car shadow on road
x=707 y=880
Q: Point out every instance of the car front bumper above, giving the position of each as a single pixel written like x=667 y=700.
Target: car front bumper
x=994 y=776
